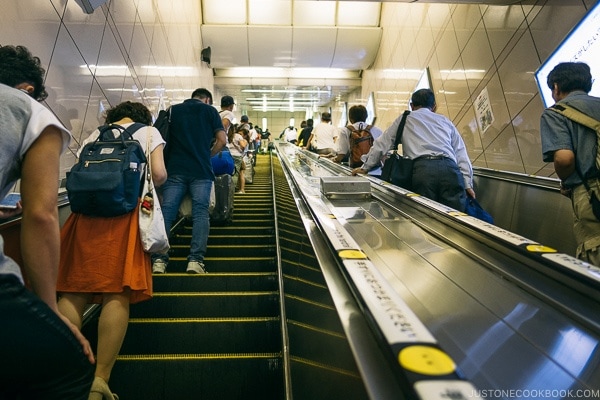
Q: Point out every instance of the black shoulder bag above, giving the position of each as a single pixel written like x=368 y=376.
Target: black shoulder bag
x=398 y=169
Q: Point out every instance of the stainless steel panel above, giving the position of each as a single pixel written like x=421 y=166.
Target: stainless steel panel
x=503 y=334
x=529 y=206
x=345 y=186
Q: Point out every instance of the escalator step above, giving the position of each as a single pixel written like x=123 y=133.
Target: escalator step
x=216 y=282
x=203 y=335
x=190 y=377
x=208 y=305
x=226 y=264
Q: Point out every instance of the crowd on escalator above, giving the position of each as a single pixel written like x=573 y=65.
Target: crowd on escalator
x=99 y=257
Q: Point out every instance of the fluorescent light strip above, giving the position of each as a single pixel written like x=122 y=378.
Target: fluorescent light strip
x=296 y=102
x=299 y=91
x=166 y=68
x=268 y=72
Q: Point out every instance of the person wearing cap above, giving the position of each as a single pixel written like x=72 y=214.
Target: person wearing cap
x=323 y=137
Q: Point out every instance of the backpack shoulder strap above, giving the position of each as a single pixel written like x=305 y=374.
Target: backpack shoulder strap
x=351 y=128
x=131 y=129
x=582 y=119
x=577 y=116
x=106 y=132
x=126 y=133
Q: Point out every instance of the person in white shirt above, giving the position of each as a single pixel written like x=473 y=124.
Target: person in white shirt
x=357 y=115
x=323 y=137
x=43 y=354
x=442 y=170
x=290 y=134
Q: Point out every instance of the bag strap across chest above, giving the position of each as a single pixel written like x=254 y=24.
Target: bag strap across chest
x=583 y=119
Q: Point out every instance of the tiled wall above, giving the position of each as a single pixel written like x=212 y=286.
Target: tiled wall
x=469 y=49
x=126 y=40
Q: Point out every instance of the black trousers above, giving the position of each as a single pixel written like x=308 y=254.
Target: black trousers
x=40 y=358
x=440 y=179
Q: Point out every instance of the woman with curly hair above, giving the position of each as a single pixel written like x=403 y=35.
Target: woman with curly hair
x=102 y=259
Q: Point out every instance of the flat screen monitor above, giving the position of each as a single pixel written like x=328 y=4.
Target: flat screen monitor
x=371 y=115
x=582 y=44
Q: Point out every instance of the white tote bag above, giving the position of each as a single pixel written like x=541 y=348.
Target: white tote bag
x=153 y=234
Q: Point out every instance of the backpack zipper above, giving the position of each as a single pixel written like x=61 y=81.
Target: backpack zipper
x=88 y=162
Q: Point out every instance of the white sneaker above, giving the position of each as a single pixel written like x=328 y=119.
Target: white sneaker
x=159 y=267
x=195 y=267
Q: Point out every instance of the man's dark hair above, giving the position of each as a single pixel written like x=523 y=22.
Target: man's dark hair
x=357 y=113
x=136 y=111
x=310 y=122
x=18 y=65
x=202 y=94
x=570 y=76
x=326 y=116
x=423 y=98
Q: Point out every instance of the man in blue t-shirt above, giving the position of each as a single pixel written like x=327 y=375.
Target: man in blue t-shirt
x=195 y=135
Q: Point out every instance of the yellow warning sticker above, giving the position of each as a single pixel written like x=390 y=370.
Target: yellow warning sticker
x=538 y=248
x=426 y=360
x=352 y=254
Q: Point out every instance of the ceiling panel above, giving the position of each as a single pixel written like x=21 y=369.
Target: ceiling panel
x=213 y=12
x=268 y=12
x=356 y=48
x=289 y=34
x=228 y=44
x=358 y=13
x=270 y=46
x=312 y=13
x=313 y=47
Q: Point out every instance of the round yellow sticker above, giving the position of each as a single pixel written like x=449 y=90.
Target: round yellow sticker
x=426 y=360
x=352 y=254
x=538 y=248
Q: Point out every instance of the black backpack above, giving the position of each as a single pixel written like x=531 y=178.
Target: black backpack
x=106 y=181
x=163 y=125
x=163 y=122
x=361 y=141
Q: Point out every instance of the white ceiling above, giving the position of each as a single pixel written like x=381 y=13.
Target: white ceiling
x=309 y=51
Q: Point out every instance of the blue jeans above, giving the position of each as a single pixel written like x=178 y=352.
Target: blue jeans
x=173 y=191
x=40 y=357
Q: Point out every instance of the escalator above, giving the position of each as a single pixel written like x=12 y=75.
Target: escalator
x=215 y=335
x=220 y=335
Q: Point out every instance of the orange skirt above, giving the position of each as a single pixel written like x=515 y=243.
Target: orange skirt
x=104 y=255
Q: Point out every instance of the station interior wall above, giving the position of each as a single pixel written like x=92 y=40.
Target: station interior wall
x=467 y=48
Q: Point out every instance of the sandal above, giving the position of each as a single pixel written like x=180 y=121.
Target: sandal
x=101 y=391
